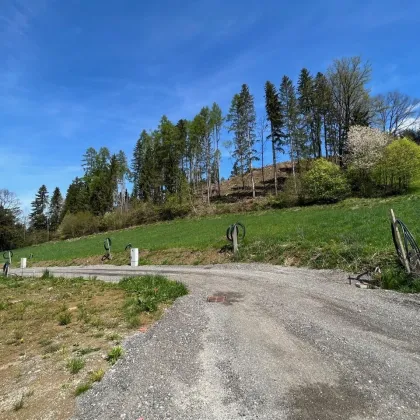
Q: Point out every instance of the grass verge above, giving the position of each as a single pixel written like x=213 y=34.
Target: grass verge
x=60 y=360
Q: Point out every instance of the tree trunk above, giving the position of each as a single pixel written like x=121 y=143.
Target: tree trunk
x=208 y=187
x=293 y=165
x=262 y=159
x=274 y=164
x=252 y=182
x=325 y=140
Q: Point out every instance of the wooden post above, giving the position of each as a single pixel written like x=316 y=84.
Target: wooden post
x=400 y=243
x=235 y=239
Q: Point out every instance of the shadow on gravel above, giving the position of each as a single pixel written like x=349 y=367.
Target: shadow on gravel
x=322 y=401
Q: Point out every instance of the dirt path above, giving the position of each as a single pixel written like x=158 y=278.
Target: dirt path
x=286 y=344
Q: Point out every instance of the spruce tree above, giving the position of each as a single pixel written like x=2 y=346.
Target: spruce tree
x=77 y=197
x=306 y=109
x=292 y=135
x=274 y=117
x=242 y=120
x=56 y=207
x=38 y=216
x=137 y=163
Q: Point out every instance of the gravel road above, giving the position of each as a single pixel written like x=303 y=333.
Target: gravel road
x=286 y=344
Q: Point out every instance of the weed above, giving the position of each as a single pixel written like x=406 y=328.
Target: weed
x=97 y=375
x=83 y=314
x=96 y=321
x=3 y=306
x=18 y=404
x=18 y=335
x=64 y=318
x=87 y=350
x=75 y=365
x=82 y=388
x=114 y=354
x=113 y=337
x=396 y=278
x=47 y=275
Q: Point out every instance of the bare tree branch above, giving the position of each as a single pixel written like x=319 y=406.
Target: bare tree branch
x=395 y=112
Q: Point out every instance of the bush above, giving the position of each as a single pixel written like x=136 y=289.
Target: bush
x=292 y=190
x=399 y=166
x=173 y=208
x=116 y=220
x=324 y=183
x=79 y=224
x=362 y=183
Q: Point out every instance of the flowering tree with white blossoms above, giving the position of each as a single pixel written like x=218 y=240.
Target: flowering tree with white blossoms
x=365 y=147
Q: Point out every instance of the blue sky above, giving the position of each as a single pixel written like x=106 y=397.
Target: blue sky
x=76 y=74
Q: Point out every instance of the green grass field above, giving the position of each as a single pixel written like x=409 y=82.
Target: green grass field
x=351 y=235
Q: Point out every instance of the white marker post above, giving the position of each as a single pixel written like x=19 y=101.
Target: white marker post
x=134 y=257
x=235 y=239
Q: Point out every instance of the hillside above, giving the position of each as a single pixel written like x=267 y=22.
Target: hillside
x=352 y=235
x=232 y=188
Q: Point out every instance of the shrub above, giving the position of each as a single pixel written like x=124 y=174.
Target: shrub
x=174 y=207
x=115 y=220
x=324 y=183
x=79 y=224
x=292 y=190
x=399 y=166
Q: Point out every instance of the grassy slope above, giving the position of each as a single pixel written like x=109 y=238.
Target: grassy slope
x=350 y=235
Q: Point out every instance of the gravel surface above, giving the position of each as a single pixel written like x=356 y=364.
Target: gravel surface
x=287 y=343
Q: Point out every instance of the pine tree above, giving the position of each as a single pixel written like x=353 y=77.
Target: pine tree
x=137 y=163
x=196 y=136
x=38 y=216
x=274 y=117
x=242 y=121
x=122 y=173
x=89 y=161
x=182 y=144
x=292 y=135
x=236 y=126
x=77 y=197
x=306 y=109
x=55 y=209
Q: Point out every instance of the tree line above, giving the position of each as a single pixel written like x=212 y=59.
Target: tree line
x=180 y=161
